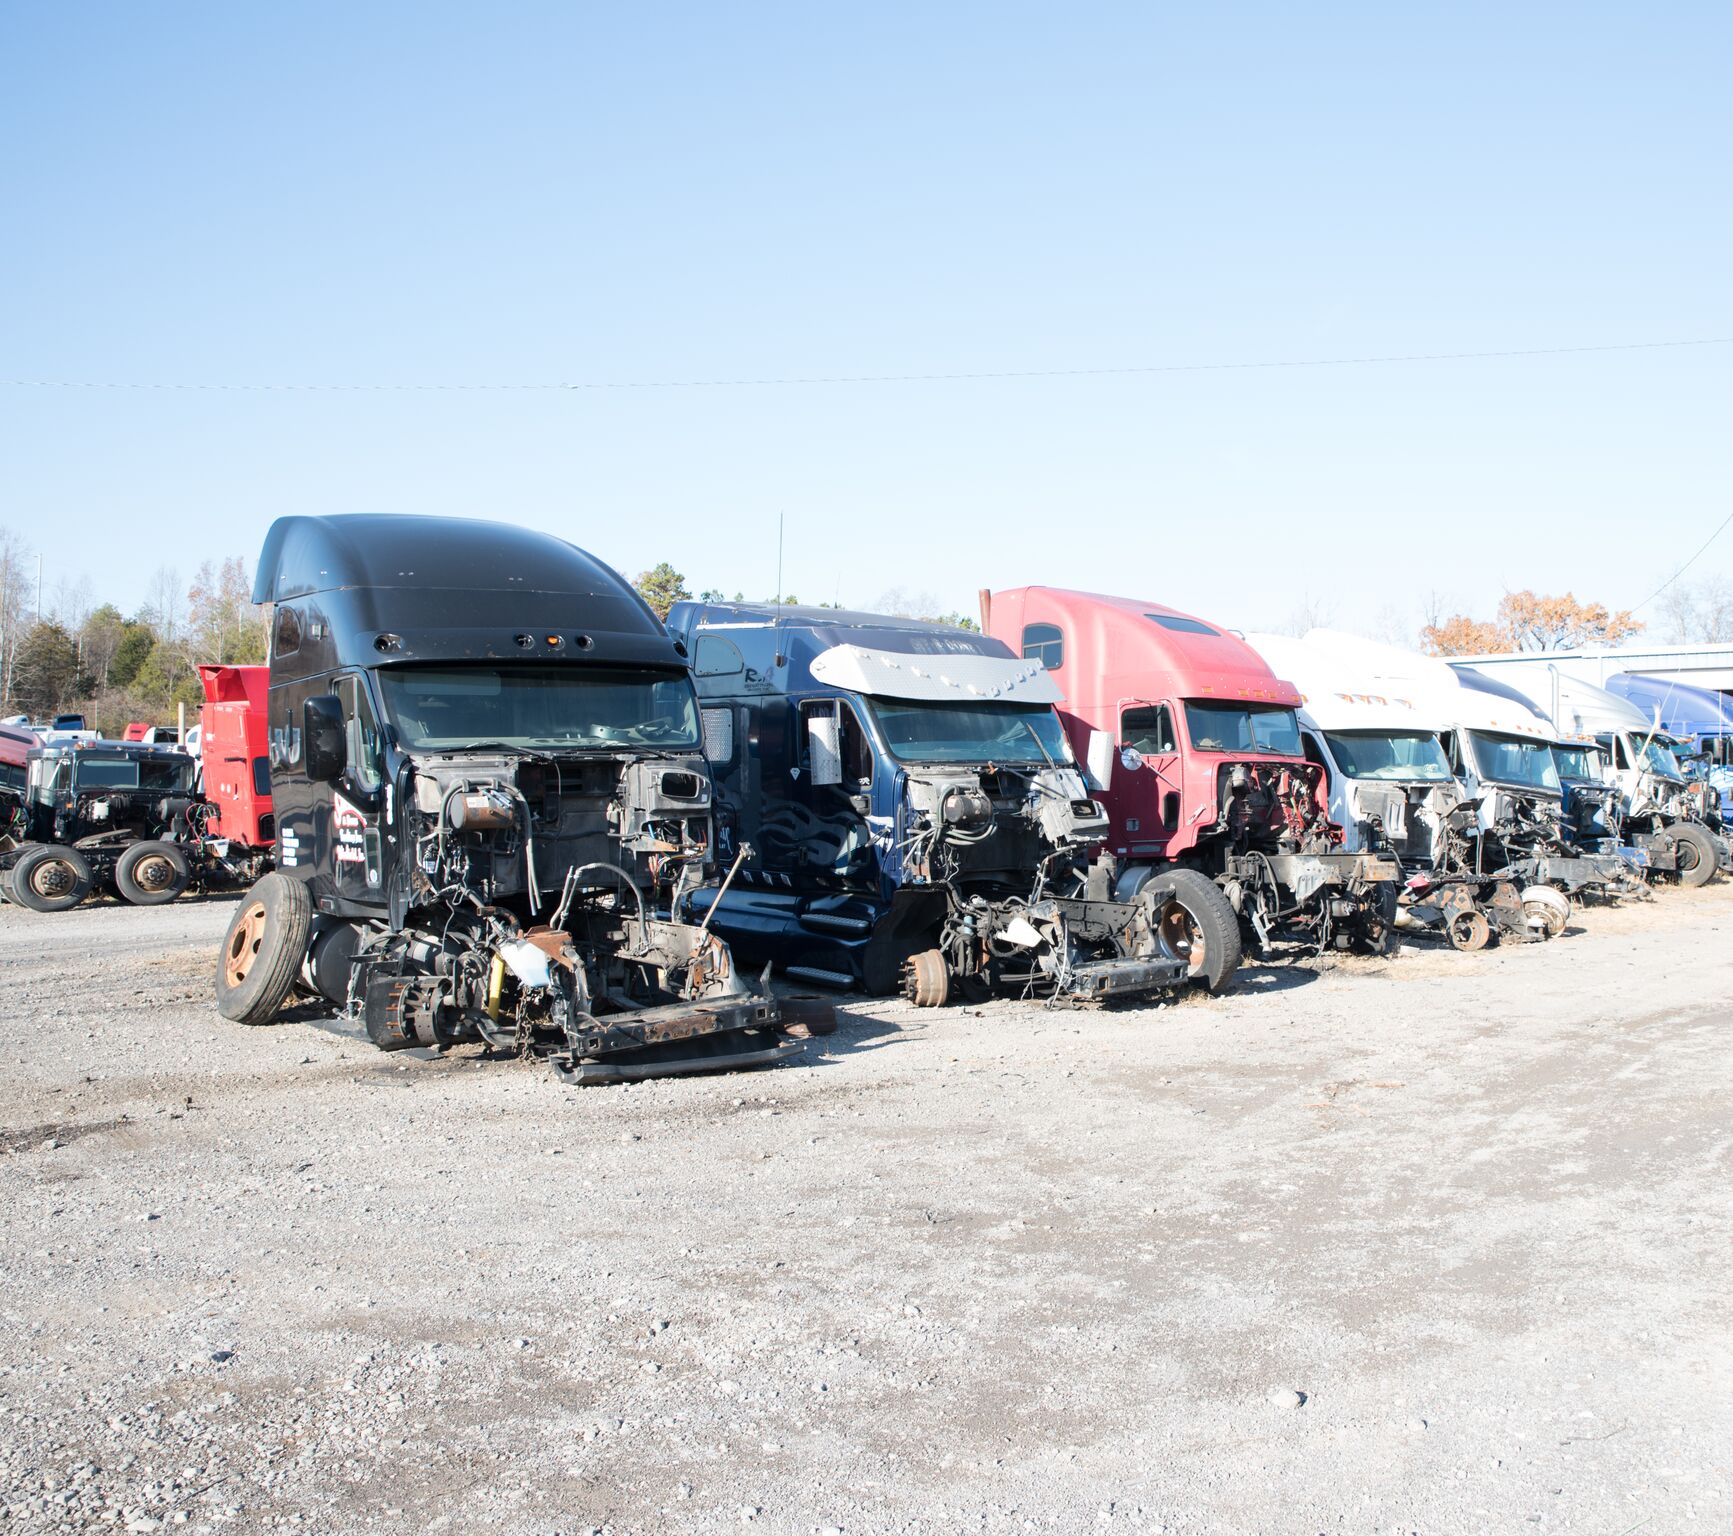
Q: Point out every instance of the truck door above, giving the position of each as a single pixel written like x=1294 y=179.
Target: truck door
x=1151 y=815
x=357 y=798
x=827 y=837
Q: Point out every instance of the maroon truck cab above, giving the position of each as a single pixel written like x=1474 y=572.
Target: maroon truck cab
x=235 y=747
x=1131 y=669
x=1208 y=767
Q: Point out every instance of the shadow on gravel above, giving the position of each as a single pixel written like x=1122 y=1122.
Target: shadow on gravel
x=855 y=1033
x=1260 y=980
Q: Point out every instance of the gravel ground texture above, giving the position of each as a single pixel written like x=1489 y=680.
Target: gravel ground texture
x=1432 y=1244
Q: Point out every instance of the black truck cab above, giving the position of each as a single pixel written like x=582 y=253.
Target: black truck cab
x=491 y=794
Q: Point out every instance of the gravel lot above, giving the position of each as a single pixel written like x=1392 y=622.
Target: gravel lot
x=1438 y=1244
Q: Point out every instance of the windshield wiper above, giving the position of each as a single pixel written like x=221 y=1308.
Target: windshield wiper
x=493 y=746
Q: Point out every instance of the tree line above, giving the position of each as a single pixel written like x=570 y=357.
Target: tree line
x=662 y=586
x=64 y=653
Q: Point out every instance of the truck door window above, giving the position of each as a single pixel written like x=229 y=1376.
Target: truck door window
x=361 y=730
x=1044 y=643
x=834 y=744
x=287 y=638
x=1147 y=728
x=717 y=656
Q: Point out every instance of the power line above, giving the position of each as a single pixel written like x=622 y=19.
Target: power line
x=1686 y=566
x=874 y=378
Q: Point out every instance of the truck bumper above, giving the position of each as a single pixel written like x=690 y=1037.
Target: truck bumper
x=713 y=1035
x=1097 y=981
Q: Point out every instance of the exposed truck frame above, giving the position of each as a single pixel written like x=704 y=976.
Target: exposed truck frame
x=1197 y=749
x=105 y=815
x=490 y=796
x=907 y=812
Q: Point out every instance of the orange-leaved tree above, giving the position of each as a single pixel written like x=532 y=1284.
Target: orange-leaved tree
x=1528 y=621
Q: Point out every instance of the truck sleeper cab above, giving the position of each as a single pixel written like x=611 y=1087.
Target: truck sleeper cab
x=907 y=812
x=1206 y=769
x=1391 y=789
x=489 y=795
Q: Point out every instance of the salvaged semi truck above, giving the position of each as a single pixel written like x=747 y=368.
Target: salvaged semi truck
x=1391 y=790
x=1661 y=818
x=1196 y=745
x=905 y=810
x=1499 y=747
x=490 y=795
x=103 y=815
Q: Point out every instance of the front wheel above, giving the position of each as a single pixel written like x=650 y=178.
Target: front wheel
x=49 y=878
x=151 y=873
x=263 y=949
x=1694 y=848
x=1193 y=922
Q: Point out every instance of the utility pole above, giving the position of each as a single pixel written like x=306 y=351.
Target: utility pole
x=39 y=589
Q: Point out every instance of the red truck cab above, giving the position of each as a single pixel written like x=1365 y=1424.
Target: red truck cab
x=1208 y=767
x=235 y=747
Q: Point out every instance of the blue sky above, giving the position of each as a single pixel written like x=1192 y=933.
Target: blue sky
x=525 y=193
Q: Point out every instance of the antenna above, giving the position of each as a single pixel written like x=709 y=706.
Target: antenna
x=778 y=559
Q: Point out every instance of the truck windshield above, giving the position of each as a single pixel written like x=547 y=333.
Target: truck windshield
x=572 y=708
x=1514 y=760
x=1393 y=755
x=1659 y=759
x=970 y=733
x=1223 y=727
x=1577 y=762
x=131 y=773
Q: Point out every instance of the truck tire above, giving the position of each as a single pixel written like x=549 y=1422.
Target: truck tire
x=1193 y=922
x=49 y=878
x=263 y=950
x=1694 y=847
x=151 y=873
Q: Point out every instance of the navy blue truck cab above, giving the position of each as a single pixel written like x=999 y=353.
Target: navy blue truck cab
x=904 y=811
x=491 y=796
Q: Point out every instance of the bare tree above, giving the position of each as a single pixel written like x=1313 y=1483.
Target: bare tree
x=1390 y=626
x=17 y=595
x=1311 y=613
x=165 y=603
x=1715 y=610
x=1702 y=613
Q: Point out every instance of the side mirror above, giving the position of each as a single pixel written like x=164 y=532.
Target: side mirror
x=327 y=749
x=1099 y=758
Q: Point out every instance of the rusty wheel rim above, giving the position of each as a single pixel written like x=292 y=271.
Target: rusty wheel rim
x=243 y=946
x=154 y=873
x=1180 y=937
x=1470 y=931
x=52 y=878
